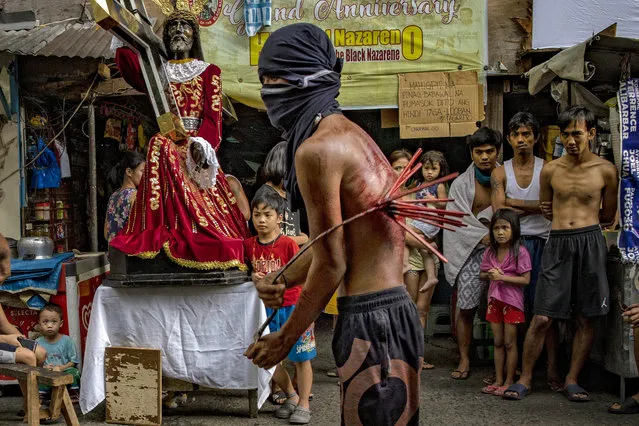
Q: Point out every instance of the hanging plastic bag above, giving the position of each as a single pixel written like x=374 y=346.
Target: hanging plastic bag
x=46 y=173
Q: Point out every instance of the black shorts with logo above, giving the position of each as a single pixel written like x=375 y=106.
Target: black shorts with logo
x=379 y=350
x=572 y=277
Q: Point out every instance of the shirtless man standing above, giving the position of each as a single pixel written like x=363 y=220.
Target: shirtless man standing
x=378 y=342
x=579 y=194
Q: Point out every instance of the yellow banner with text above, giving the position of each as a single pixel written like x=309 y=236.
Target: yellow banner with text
x=378 y=39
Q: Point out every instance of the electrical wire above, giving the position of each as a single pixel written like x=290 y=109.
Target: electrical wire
x=55 y=136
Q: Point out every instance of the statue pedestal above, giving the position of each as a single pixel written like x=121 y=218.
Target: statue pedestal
x=131 y=271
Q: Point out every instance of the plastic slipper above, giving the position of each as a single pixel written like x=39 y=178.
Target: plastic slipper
x=427 y=366
x=300 y=416
x=331 y=373
x=519 y=390
x=461 y=375
x=571 y=392
x=489 y=390
x=555 y=386
x=500 y=391
x=629 y=406
x=286 y=410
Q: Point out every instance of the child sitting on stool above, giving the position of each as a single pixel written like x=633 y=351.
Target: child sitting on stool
x=61 y=353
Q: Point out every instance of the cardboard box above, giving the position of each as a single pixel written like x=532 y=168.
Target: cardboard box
x=438 y=104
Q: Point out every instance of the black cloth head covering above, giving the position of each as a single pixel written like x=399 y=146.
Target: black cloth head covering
x=303 y=55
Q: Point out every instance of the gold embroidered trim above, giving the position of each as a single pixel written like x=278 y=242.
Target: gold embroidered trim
x=155 y=176
x=217 y=265
x=181 y=61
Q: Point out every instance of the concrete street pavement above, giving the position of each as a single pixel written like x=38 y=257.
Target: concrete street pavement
x=443 y=401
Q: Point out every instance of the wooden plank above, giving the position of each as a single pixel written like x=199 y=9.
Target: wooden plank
x=33 y=399
x=133 y=385
x=507 y=33
x=68 y=411
x=46 y=377
x=55 y=406
x=252 y=397
x=495 y=105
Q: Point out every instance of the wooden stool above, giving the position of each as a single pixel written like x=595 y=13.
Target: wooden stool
x=29 y=378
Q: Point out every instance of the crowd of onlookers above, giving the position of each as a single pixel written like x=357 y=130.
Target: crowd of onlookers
x=529 y=252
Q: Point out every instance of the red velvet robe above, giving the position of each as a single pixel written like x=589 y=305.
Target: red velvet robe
x=202 y=229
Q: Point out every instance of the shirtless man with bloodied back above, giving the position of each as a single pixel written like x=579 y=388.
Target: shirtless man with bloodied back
x=378 y=342
x=578 y=192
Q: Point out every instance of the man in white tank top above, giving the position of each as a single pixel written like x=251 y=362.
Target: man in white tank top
x=515 y=185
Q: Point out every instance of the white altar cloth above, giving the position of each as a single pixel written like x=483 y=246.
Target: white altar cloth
x=202 y=332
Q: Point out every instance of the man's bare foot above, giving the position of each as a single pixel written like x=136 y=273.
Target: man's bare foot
x=430 y=283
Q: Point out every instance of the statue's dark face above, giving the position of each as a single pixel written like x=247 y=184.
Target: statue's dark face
x=181 y=38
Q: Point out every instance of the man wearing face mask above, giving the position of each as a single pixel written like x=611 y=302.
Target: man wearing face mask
x=184 y=204
x=338 y=171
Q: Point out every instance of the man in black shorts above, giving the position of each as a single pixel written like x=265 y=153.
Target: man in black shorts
x=338 y=171
x=579 y=194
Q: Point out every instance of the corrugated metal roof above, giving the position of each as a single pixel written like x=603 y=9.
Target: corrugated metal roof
x=63 y=39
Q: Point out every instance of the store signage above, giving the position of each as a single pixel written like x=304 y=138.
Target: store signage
x=439 y=104
x=377 y=39
x=628 y=99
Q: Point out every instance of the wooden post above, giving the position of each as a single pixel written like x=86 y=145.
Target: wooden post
x=252 y=396
x=33 y=399
x=93 y=191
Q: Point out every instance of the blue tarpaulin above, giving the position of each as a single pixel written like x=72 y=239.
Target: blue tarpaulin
x=39 y=275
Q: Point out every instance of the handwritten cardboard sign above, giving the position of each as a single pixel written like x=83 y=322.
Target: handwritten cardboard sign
x=438 y=104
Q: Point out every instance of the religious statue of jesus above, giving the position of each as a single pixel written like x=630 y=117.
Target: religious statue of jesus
x=184 y=204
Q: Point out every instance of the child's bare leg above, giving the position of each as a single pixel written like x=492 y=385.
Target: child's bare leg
x=431 y=270
x=304 y=373
x=411 y=280
x=283 y=380
x=510 y=343
x=423 y=307
x=498 y=333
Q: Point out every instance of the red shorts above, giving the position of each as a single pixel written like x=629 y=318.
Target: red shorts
x=499 y=312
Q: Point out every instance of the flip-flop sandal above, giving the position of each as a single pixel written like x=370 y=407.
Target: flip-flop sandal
x=462 y=375
x=500 y=391
x=555 y=386
x=427 y=366
x=489 y=380
x=489 y=390
x=571 y=392
x=331 y=373
x=629 y=406
x=519 y=390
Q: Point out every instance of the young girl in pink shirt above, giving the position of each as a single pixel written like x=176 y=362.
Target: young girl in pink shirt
x=506 y=264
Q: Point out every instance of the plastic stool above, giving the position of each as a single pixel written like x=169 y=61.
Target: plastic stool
x=438 y=320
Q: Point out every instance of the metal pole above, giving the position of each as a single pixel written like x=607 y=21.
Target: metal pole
x=93 y=193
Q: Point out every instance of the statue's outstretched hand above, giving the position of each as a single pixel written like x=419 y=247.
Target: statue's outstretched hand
x=271 y=293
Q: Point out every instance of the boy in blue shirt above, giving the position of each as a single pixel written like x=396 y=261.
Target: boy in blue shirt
x=61 y=353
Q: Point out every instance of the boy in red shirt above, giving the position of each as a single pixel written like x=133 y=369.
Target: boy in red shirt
x=268 y=252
